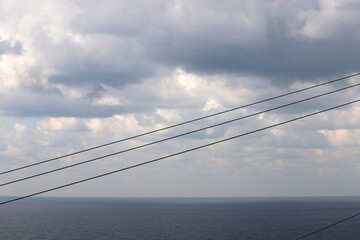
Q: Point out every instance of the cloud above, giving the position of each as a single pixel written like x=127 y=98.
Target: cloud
x=7 y=47
x=38 y=105
x=121 y=43
x=75 y=74
x=332 y=20
x=92 y=77
x=61 y=124
x=279 y=51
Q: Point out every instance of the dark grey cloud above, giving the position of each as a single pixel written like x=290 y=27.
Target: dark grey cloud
x=123 y=43
x=2 y=145
x=281 y=58
x=96 y=93
x=253 y=38
x=54 y=105
x=92 y=77
x=8 y=47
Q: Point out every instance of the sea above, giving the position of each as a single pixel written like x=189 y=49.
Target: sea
x=47 y=218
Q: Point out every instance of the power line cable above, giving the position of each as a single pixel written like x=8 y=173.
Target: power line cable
x=176 y=136
x=329 y=226
x=178 y=124
x=178 y=153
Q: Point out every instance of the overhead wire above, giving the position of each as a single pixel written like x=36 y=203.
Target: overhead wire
x=178 y=153
x=178 y=124
x=328 y=226
x=177 y=136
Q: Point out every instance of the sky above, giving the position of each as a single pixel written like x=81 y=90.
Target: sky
x=76 y=74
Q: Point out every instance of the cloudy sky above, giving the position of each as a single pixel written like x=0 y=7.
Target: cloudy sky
x=76 y=73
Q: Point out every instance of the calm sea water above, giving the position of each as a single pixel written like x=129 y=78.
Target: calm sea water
x=178 y=218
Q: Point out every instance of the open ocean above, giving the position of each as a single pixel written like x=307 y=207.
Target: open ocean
x=178 y=218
